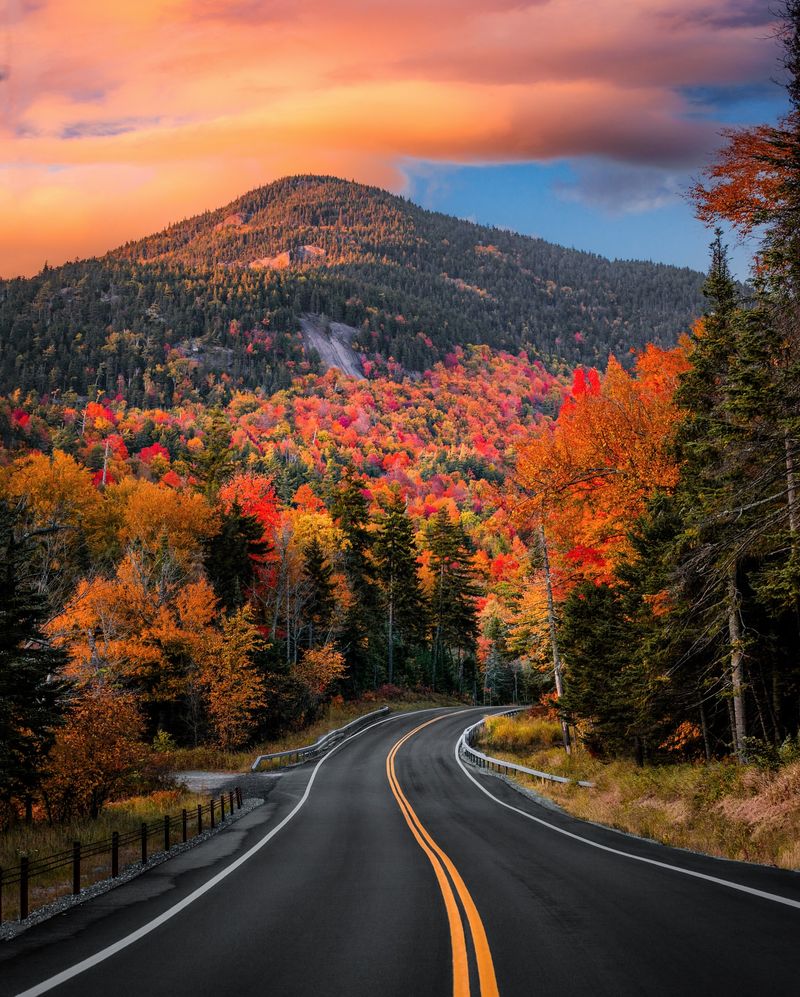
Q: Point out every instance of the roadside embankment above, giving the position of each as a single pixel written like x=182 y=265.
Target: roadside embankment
x=725 y=809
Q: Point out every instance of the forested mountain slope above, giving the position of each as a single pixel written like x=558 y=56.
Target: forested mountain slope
x=214 y=302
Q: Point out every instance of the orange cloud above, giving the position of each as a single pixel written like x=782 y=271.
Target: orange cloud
x=160 y=108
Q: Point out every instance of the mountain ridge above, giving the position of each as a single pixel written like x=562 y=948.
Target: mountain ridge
x=414 y=283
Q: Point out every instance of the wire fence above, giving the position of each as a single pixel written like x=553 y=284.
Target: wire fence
x=30 y=885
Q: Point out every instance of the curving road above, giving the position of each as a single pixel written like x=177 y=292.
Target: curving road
x=391 y=869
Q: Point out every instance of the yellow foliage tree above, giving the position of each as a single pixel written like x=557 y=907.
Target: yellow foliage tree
x=234 y=688
x=56 y=495
x=152 y=517
x=319 y=668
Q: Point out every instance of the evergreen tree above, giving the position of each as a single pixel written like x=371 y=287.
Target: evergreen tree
x=452 y=602
x=215 y=462
x=360 y=619
x=231 y=555
x=395 y=558
x=320 y=604
x=32 y=697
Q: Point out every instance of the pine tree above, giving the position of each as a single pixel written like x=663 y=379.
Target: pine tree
x=320 y=601
x=359 y=624
x=32 y=697
x=718 y=469
x=231 y=555
x=452 y=601
x=215 y=462
x=395 y=558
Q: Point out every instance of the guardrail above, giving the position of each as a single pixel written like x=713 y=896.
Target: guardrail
x=295 y=756
x=85 y=864
x=498 y=765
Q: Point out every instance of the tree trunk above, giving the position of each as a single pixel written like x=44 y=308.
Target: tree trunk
x=551 y=619
x=391 y=639
x=704 y=729
x=791 y=488
x=737 y=667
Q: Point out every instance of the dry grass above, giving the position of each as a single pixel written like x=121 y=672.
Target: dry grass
x=40 y=840
x=724 y=809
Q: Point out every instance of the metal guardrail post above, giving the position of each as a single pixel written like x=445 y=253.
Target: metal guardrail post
x=211 y=811
x=239 y=798
x=143 y=835
x=167 y=821
x=184 y=824
x=230 y=800
x=115 y=854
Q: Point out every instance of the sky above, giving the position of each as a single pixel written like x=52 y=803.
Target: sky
x=580 y=121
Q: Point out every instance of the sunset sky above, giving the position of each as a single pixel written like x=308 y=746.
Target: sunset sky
x=578 y=120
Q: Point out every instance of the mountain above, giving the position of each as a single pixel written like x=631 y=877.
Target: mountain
x=217 y=301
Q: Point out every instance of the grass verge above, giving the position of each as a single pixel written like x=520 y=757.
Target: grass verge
x=40 y=840
x=732 y=811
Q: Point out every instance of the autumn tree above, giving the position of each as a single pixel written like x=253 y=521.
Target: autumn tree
x=319 y=668
x=234 y=687
x=98 y=754
x=55 y=497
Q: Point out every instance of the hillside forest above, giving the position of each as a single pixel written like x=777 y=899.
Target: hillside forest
x=193 y=557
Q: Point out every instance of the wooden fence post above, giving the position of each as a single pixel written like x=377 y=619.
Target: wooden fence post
x=23 y=887
x=76 y=868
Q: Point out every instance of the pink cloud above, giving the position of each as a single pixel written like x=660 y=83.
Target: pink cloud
x=189 y=103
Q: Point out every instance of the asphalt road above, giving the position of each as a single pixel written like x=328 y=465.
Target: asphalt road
x=389 y=870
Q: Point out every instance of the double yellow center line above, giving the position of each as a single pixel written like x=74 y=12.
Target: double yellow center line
x=448 y=877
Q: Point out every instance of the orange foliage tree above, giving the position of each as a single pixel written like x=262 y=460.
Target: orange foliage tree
x=234 y=688
x=587 y=477
x=97 y=753
x=319 y=668
x=746 y=184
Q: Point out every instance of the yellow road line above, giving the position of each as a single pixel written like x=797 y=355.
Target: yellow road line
x=439 y=859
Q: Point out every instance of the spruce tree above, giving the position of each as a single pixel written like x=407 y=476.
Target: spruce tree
x=32 y=695
x=452 y=604
x=320 y=601
x=360 y=619
x=401 y=598
x=231 y=556
x=216 y=461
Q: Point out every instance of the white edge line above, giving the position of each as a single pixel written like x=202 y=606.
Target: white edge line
x=110 y=950
x=774 y=897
